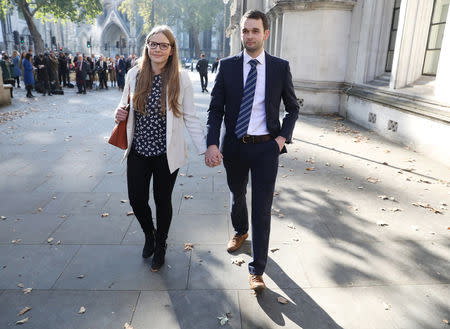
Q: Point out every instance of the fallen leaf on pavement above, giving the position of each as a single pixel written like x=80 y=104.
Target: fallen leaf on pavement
x=291 y=225
x=280 y=215
x=190 y=175
x=311 y=169
x=188 y=196
x=395 y=209
x=123 y=201
x=188 y=246
x=24 y=310
x=238 y=261
x=27 y=290
x=20 y=285
x=105 y=214
x=274 y=249
x=427 y=206
x=347 y=178
x=223 y=320
x=182 y=174
x=282 y=300
x=203 y=177
x=372 y=180
x=445 y=321
x=3 y=217
x=381 y=223
x=39 y=210
x=130 y=213
x=22 y=321
x=16 y=241
x=127 y=326
x=50 y=240
x=82 y=310
x=81 y=276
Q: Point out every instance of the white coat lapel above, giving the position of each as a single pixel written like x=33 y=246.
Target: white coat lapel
x=169 y=121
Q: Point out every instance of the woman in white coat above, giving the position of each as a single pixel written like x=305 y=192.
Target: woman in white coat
x=161 y=105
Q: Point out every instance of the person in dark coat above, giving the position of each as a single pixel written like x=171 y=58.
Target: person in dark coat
x=28 y=78
x=202 y=69
x=43 y=64
x=62 y=68
x=81 y=72
x=120 y=71
x=102 y=70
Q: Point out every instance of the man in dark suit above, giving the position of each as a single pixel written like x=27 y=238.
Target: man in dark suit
x=81 y=72
x=121 y=70
x=254 y=137
x=102 y=70
x=202 y=69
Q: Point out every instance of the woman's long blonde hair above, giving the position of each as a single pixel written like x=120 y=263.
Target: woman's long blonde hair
x=170 y=76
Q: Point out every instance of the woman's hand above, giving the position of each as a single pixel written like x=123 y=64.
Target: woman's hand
x=121 y=114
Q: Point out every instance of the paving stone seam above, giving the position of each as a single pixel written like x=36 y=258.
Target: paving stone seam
x=66 y=266
x=127 y=230
x=135 y=307
x=234 y=289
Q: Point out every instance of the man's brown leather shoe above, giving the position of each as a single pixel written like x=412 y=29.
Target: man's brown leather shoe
x=236 y=242
x=256 y=282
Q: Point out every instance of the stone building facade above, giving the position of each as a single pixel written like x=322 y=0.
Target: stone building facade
x=383 y=64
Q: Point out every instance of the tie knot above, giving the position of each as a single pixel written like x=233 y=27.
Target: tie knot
x=253 y=63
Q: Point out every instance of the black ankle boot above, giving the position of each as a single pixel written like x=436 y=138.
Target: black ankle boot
x=160 y=254
x=149 y=246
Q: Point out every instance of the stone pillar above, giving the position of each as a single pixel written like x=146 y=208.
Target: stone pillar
x=314 y=37
x=442 y=86
x=411 y=42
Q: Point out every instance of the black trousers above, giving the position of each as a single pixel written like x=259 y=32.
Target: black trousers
x=81 y=84
x=262 y=161
x=204 y=80
x=140 y=170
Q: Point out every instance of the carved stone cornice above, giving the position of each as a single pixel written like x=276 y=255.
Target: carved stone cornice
x=302 y=5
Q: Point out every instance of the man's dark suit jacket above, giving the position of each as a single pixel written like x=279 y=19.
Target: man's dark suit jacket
x=226 y=101
x=121 y=66
x=202 y=66
x=81 y=74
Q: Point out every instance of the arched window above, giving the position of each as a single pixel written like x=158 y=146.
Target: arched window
x=435 y=35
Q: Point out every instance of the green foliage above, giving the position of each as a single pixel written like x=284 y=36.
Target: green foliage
x=65 y=10
x=198 y=14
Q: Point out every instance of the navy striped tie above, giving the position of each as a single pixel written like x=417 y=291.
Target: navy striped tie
x=247 y=101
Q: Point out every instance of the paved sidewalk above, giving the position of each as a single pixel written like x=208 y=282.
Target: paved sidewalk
x=349 y=249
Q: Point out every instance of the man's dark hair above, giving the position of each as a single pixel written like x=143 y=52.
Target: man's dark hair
x=256 y=14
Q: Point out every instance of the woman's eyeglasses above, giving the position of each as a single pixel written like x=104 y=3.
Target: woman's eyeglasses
x=162 y=45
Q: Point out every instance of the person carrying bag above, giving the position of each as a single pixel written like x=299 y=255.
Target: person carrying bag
x=161 y=102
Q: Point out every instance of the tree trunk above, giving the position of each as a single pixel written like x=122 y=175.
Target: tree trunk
x=37 y=39
x=194 y=33
x=4 y=34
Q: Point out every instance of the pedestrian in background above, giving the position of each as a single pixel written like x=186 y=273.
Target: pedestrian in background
x=28 y=78
x=16 y=63
x=112 y=71
x=162 y=104
x=215 y=65
x=120 y=72
x=254 y=137
x=81 y=73
x=202 y=69
x=7 y=71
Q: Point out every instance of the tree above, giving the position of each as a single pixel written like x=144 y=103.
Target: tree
x=194 y=15
x=65 y=10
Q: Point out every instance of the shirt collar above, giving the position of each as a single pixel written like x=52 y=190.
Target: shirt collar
x=261 y=58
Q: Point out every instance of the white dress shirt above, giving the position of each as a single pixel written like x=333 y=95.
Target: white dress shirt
x=257 y=124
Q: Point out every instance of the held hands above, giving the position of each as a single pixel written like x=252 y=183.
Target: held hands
x=121 y=114
x=213 y=157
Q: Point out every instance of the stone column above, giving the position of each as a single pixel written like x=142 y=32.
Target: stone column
x=412 y=36
x=314 y=37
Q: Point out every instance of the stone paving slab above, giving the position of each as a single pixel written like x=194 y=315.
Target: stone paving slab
x=35 y=266
x=59 y=309
x=92 y=229
x=184 y=309
x=29 y=228
x=113 y=267
x=338 y=274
